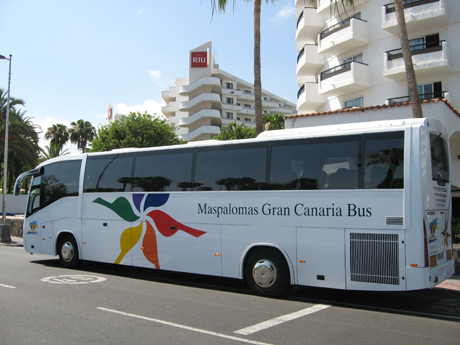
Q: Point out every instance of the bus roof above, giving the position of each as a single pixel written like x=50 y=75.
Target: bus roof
x=283 y=134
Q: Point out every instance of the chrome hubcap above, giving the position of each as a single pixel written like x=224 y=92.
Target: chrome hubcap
x=264 y=273
x=67 y=251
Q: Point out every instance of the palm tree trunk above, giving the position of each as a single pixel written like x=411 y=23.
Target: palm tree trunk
x=407 y=56
x=257 y=68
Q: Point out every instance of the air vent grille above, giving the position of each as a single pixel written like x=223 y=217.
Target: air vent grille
x=374 y=258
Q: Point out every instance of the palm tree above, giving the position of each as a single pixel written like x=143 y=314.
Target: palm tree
x=273 y=121
x=23 y=149
x=221 y=5
x=13 y=102
x=58 y=134
x=407 y=56
x=81 y=132
x=52 y=151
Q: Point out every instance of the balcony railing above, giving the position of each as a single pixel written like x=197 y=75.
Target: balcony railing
x=389 y=8
x=431 y=95
x=337 y=27
x=427 y=47
x=301 y=91
x=345 y=67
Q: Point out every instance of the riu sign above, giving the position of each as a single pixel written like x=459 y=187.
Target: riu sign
x=199 y=59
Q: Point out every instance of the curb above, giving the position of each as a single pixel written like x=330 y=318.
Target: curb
x=15 y=242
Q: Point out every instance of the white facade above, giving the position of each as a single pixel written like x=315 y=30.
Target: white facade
x=350 y=57
x=211 y=98
x=349 y=68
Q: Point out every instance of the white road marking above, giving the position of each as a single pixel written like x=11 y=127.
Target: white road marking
x=281 y=319
x=193 y=329
x=8 y=286
x=73 y=279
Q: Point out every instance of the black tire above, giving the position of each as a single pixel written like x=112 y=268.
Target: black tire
x=68 y=252
x=266 y=272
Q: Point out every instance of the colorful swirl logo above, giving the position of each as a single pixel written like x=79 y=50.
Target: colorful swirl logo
x=141 y=207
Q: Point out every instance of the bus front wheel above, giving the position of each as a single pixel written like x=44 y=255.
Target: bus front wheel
x=68 y=252
x=267 y=273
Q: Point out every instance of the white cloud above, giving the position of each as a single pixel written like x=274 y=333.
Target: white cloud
x=156 y=77
x=150 y=106
x=155 y=74
x=287 y=12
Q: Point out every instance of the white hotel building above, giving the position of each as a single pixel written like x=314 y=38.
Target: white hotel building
x=352 y=57
x=211 y=98
x=350 y=66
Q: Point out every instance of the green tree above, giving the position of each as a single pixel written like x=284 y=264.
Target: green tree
x=52 y=151
x=273 y=121
x=407 y=57
x=81 y=132
x=234 y=131
x=58 y=134
x=23 y=148
x=135 y=130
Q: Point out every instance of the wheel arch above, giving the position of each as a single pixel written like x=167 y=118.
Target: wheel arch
x=61 y=235
x=257 y=246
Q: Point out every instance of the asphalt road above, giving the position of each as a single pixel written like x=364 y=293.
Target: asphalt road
x=42 y=303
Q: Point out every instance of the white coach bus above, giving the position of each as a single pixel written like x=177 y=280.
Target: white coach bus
x=362 y=206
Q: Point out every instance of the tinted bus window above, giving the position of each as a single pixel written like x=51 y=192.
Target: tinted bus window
x=108 y=173
x=170 y=171
x=439 y=159
x=384 y=160
x=59 y=180
x=331 y=163
x=231 y=168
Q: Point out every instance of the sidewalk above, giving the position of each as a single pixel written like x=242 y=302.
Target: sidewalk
x=15 y=242
x=450 y=284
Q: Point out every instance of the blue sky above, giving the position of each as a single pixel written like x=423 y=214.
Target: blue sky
x=72 y=58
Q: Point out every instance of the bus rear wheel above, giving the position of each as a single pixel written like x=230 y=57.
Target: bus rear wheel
x=267 y=273
x=68 y=252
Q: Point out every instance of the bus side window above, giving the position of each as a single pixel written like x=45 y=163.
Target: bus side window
x=110 y=173
x=384 y=160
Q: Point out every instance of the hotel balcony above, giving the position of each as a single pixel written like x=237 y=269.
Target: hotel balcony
x=419 y=14
x=308 y=98
x=345 y=78
x=168 y=96
x=269 y=103
x=309 y=61
x=202 y=133
x=212 y=116
x=309 y=24
x=429 y=59
x=232 y=92
x=428 y=96
x=212 y=83
x=167 y=111
x=246 y=96
x=332 y=6
x=344 y=36
x=211 y=100
x=247 y=111
x=232 y=107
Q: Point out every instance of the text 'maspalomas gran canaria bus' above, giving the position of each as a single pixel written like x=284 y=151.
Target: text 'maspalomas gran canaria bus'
x=362 y=206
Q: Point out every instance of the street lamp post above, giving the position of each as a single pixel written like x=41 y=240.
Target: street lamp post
x=5 y=235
